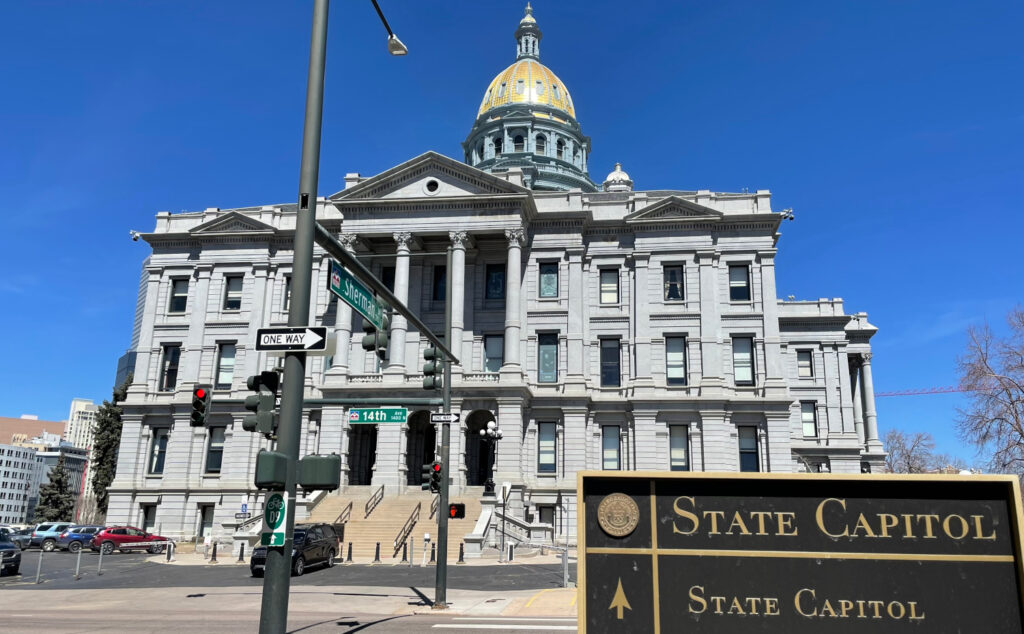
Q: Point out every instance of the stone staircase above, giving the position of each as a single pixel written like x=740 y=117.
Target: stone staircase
x=387 y=520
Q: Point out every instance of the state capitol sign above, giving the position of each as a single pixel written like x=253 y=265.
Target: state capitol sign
x=696 y=552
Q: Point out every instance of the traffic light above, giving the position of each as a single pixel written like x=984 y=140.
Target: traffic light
x=433 y=369
x=432 y=476
x=376 y=340
x=456 y=511
x=320 y=473
x=200 y=405
x=262 y=404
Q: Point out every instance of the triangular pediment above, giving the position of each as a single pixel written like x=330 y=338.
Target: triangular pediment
x=673 y=209
x=427 y=176
x=231 y=223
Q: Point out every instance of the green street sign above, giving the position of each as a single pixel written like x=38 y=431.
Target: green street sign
x=274 y=512
x=352 y=292
x=376 y=415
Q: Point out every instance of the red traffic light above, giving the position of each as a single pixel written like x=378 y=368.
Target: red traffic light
x=436 y=467
x=200 y=392
x=457 y=510
x=452 y=510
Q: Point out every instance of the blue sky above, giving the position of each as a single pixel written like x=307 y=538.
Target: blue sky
x=894 y=130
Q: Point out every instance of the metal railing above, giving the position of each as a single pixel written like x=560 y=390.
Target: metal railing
x=434 y=504
x=374 y=500
x=249 y=523
x=345 y=515
x=410 y=523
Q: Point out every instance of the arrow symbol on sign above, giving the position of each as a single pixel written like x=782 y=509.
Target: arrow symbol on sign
x=310 y=339
x=619 y=601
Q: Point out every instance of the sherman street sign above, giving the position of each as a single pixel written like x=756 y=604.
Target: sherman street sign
x=309 y=339
x=695 y=552
x=352 y=292
x=374 y=415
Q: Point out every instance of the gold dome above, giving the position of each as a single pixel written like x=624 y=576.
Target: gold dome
x=528 y=82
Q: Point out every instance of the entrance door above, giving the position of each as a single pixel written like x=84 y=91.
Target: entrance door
x=205 y=520
x=476 y=450
x=421 y=442
x=362 y=453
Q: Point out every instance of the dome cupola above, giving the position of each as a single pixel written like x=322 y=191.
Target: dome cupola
x=618 y=181
x=527 y=120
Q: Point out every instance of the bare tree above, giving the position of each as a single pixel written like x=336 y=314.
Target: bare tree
x=909 y=453
x=992 y=373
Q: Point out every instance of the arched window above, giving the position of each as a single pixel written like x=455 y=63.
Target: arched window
x=517 y=143
x=560 y=149
x=480 y=152
x=497 y=146
x=542 y=144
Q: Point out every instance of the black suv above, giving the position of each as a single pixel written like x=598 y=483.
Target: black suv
x=314 y=543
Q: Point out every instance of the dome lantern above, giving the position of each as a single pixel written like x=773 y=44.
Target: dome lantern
x=618 y=181
x=528 y=36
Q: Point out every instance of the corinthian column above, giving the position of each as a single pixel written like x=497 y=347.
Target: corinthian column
x=513 y=274
x=870 y=417
x=399 y=325
x=458 y=290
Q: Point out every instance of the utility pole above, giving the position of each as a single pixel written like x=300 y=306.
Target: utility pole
x=441 y=578
x=277 y=581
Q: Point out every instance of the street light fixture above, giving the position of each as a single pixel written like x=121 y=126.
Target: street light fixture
x=488 y=436
x=395 y=46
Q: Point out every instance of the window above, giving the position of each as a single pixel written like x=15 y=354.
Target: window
x=440 y=279
x=673 y=283
x=546 y=514
x=520 y=86
x=548 y=282
x=609 y=286
x=205 y=519
x=739 y=283
x=554 y=91
x=547 y=355
x=610 y=447
x=225 y=366
x=547 y=444
x=809 y=419
x=287 y=301
x=169 y=368
x=560 y=148
x=517 y=143
x=387 y=275
x=179 y=296
x=675 y=360
x=494 y=352
x=743 y=360
x=610 y=374
x=215 y=450
x=542 y=144
x=501 y=90
x=540 y=88
x=158 y=450
x=679 y=448
x=804 y=367
x=497 y=146
x=748 y=449
x=495 y=275
x=233 y=292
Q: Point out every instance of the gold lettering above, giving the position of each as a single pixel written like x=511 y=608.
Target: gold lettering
x=796 y=602
x=736 y=608
x=760 y=515
x=753 y=602
x=845 y=605
x=718 y=604
x=862 y=523
x=928 y=532
x=860 y=609
x=908 y=531
x=771 y=606
x=699 y=598
x=877 y=605
x=686 y=514
x=827 y=607
x=785 y=521
x=888 y=521
x=819 y=517
x=913 y=612
x=949 y=532
x=714 y=521
x=899 y=616
x=978 y=531
x=737 y=520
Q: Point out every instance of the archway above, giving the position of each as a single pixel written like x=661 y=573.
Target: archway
x=420 y=446
x=476 y=455
x=362 y=454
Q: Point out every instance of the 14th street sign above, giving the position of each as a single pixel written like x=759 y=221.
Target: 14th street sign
x=309 y=339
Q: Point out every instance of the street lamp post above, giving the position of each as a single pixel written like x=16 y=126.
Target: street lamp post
x=488 y=437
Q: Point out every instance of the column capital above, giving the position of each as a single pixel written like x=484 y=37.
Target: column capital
x=866 y=358
x=202 y=270
x=403 y=240
x=348 y=240
x=516 y=236
x=460 y=239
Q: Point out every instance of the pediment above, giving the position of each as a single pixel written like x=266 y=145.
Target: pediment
x=232 y=222
x=416 y=179
x=673 y=209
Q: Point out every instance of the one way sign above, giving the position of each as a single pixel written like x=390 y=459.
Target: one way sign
x=310 y=339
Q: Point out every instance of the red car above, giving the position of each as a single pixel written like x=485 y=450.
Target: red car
x=125 y=538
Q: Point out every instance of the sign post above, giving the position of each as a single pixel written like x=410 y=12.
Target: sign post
x=695 y=552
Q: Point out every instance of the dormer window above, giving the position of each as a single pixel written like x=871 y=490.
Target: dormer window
x=540 y=88
x=520 y=87
x=501 y=90
x=554 y=91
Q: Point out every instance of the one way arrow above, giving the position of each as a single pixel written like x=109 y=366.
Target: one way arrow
x=310 y=339
x=619 y=601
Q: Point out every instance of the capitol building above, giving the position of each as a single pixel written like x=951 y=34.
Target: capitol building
x=600 y=325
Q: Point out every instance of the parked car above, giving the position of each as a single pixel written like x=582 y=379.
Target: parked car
x=75 y=537
x=313 y=543
x=10 y=555
x=125 y=538
x=20 y=536
x=45 y=535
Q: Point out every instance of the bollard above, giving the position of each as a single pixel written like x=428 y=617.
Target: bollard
x=348 y=559
x=170 y=550
x=565 y=568
x=405 y=553
x=213 y=557
x=412 y=551
x=241 y=552
x=433 y=560
x=78 y=564
x=376 y=554
x=99 y=566
x=511 y=553
x=39 y=568
x=462 y=553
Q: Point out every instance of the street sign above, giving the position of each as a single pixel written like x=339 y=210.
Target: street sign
x=274 y=512
x=798 y=552
x=242 y=516
x=375 y=415
x=446 y=417
x=352 y=292
x=309 y=339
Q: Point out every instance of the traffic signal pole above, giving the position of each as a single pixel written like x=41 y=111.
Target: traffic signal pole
x=441 y=578
x=277 y=579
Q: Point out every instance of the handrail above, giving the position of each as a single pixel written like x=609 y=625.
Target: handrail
x=345 y=515
x=434 y=504
x=410 y=523
x=249 y=523
x=374 y=500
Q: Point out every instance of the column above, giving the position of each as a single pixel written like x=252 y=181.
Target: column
x=576 y=308
x=342 y=326
x=513 y=281
x=509 y=449
x=642 y=321
x=870 y=417
x=775 y=384
x=858 y=403
x=189 y=373
x=846 y=403
x=710 y=326
x=399 y=325
x=458 y=291
x=257 y=318
x=147 y=374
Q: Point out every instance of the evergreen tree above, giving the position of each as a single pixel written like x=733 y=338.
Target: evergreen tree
x=105 y=443
x=56 y=499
